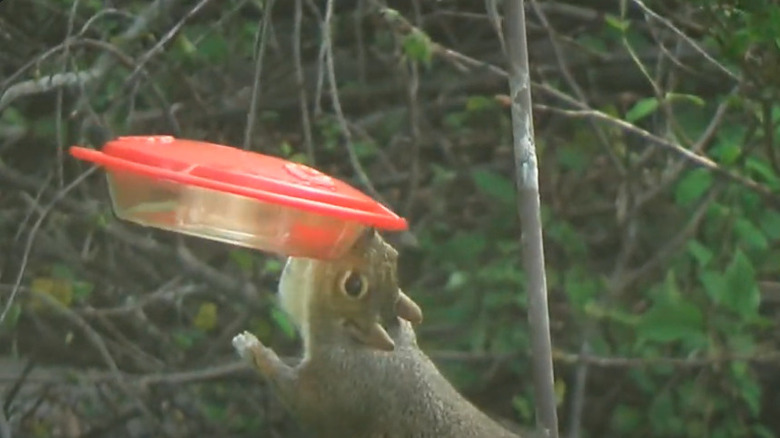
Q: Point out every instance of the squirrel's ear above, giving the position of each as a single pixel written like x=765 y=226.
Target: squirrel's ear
x=407 y=309
x=364 y=239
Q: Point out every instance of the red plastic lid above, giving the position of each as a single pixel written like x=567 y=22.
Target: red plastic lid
x=250 y=174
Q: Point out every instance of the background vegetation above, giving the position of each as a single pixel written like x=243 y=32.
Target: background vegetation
x=656 y=126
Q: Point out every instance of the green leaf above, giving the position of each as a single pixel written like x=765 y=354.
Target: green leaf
x=701 y=253
x=480 y=103
x=214 y=48
x=672 y=323
x=592 y=43
x=269 y=116
x=672 y=318
x=626 y=419
x=464 y=247
x=696 y=100
x=286 y=148
x=770 y=224
x=750 y=234
x=740 y=293
x=365 y=149
x=243 y=259
x=12 y=317
x=442 y=175
x=761 y=431
x=186 y=338
x=572 y=157
x=641 y=109
x=580 y=287
x=494 y=185
x=417 y=46
x=207 y=316
x=62 y=271
x=82 y=290
x=726 y=153
x=13 y=117
x=594 y=310
x=692 y=186
x=299 y=158
x=616 y=22
x=283 y=322
x=272 y=266
x=523 y=407
x=456 y=280
x=568 y=237
x=763 y=169
x=713 y=284
x=186 y=45
x=728 y=144
x=748 y=387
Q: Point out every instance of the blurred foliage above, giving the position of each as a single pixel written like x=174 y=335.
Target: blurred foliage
x=665 y=272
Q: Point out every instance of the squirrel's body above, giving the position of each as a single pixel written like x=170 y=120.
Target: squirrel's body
x=362 y=374
x=364 y=392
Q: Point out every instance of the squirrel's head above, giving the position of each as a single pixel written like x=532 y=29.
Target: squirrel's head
x=356 y=293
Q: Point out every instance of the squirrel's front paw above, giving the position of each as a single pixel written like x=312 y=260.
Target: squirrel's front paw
x=253 y=351
x=244 y=343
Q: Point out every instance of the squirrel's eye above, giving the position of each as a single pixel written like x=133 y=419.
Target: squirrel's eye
x=353 y=284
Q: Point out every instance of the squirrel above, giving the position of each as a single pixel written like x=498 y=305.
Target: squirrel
x=362 y=374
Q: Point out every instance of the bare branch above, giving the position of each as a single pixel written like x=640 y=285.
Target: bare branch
x=59 y=80
x=336 y=102
x=686 y=38
x=31 y=239
x=302 y=97
x=172 y=32
x=5 y=428
x=46 y=84
x=689 y=155
x=260 y=44
x=529 y=211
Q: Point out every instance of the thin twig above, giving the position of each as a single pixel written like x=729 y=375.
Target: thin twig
x=34 y=205
x=584 y=111
x=99 y=68
x=552 y=36
x=31 y=238
x=334 y=96
x=260 y=45
x=5 y=428
x=672 y=246
x=686 y=38
x=59 y=134
x=578 y=392
x=302 y=97
x=680 y=362
x=412 y=75
x=689 y=155
x=158 y=47
x=320 y=84
x=94 y=338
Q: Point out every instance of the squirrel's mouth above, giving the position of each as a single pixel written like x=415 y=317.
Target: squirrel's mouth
x=371 y=334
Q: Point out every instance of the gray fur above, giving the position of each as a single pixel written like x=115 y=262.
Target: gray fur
x=344 y=388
